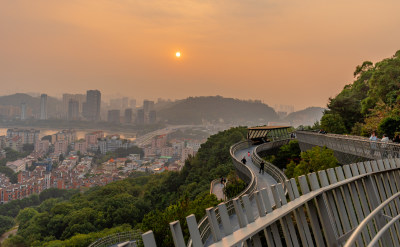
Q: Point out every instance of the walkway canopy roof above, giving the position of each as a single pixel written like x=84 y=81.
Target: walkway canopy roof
x=268 y=133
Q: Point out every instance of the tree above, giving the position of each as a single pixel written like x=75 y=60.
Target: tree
x=390 y=125
x=314 y=160
x=333 y=123
x=5 y=223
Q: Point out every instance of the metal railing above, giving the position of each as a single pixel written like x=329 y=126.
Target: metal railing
x=246 y=175
x=329 y=207
x=354 y=145
x=118 y=238
x=270 y=168
x=384 y=222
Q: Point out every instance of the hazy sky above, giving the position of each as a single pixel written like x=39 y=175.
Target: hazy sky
x=298 y=52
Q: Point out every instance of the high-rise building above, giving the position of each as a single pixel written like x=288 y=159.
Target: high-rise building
x=113 y=116
x=73 y=110
x=132 y=103
x=140 y=116
x=23 y=111
x=91 y=108
x=152 y=117
x=128 y=115
x=148 y=106
x=80 y=98
x=43 y=107
x=125 y=101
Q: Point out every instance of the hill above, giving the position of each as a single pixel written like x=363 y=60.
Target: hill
x=305 y=117
x=53 y=104
x=216 y=109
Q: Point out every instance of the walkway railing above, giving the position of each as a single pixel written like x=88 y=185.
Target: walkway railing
x=118 y=238
x=271 y=169
x=354 y=145
x=246 y=175
x=329 y=207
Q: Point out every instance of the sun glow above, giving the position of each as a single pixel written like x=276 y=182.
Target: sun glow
x=177 y=54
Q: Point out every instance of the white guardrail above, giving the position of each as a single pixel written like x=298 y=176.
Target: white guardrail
x=330 y=206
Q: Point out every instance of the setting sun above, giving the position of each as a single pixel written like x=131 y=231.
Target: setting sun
x=178 y=54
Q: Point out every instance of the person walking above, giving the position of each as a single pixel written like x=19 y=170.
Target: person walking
x=244 y=160
x=373 y=140
x=385 y=141
x=248 y=153
x=262 y=167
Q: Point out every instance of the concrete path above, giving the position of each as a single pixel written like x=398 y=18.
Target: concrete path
x=218 y=191
x=263 y=180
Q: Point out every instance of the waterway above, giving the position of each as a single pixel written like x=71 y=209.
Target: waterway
x=80 y=134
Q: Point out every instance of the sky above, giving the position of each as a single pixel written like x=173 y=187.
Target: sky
x=288 y=52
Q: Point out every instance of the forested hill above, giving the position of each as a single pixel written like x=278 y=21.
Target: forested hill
x=196 y=110
x=307 y=116
x=144 y=201
x=31 y=102
x=370 y=103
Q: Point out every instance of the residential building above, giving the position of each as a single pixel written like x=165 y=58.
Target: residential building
x=29 y=136
x=152 y=117
x=42 y=146
x=73 y=110
x=43 y=107
x=91 y=108
x=80 y=98
x=113 y=116
x=23 y=111
x=140 y=116
x=80 y=146
x=128 y=115
x=60 y=147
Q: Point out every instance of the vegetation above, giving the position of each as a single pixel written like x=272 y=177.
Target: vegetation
x=217 y=110
x=285 y=154
x=312 y=160
x=371 y=102
x=13 y=207
x=234 y=185
x=144 y=201
x=5 y=224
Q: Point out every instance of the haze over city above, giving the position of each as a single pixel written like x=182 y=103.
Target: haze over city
x=263 y=50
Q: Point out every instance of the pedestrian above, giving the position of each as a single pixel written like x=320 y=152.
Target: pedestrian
x=244 y=160
x=248 y=153
x=373 y=140
x=222 y=180
x=385 y=141
x=262 y=167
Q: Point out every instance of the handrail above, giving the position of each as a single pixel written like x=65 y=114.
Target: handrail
x=324 y=199
x=203 y=225
x=361 y=227
x=271 y=169
x=116 y=238
x=355 y=145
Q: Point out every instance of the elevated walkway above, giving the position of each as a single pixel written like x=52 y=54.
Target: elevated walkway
x=349 y=149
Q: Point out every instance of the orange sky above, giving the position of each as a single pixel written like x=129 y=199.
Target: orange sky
x=279 y=51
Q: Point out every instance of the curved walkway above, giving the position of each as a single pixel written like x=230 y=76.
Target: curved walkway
x=263 y=180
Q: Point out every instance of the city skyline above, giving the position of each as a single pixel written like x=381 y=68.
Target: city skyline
x=309 y=49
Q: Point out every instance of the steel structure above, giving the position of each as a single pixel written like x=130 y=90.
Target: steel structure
x=349 y=149
x=330 y=206
x=267 y=133
x=131 y=236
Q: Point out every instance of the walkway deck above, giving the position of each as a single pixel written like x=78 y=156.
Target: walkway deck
x=263 y=180
x=218 y=191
